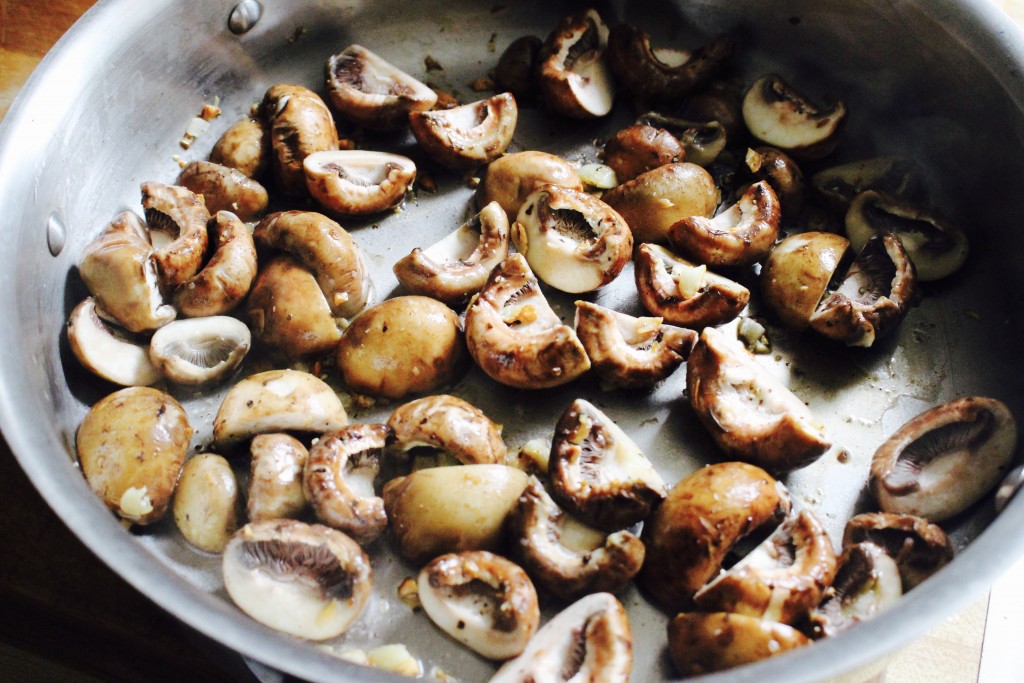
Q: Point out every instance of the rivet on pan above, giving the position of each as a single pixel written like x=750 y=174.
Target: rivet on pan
x=244 y=16
x=1011 y=484
x=56 y=233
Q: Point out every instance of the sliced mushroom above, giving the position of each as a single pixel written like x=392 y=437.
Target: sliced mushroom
x=510 y=179
x=481 y=600
x=179 y=214
x=797 y=273
x=325 y=248
x=277 y=401
x=783 y=174
x=517 y=68
x=919 y=547
x=245 y=146
x=306 y=580
x=867 y=582
x=227 y=276
x=740 y=235
x=653 y=201
x=449 y=509
x=684 y=293
x=936 y=246
x=781 y=580
x=356 y=182
x=779 y=116
x=875 y=295
x=447 y=424
x=639 y=149
x=371 y=92
x=946 y=459
x=703 y=643
x=702 y=141
x=200 y=350
x=225 y=189
x=590 y=640
x=120 y=271
x=338 y=480
x=598 y=473
x=703 y=517
x=574 y=77
x=630 y=352
x=300 y=125
x=662 y=73
x=275 y=477
x=206 y=502
x=515 y=337
x=749 y=413
x=572 y=240
x=565 y=557
x=893 y=176
x=457 y=267
x=108 y=351
x=467 y=136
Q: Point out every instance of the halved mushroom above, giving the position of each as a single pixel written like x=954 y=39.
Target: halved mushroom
x=749 y=413
x=515 y=337
x=516 y=70
x=372 y=92
x=639 y=149
x=200 y=350
x=598 y=473
x=275 y=477
x=740 y=235
x=306 y=580
x=684 y=293
x=178 y=216
x=946 y=459
x=630 y=352
x=919 y=547
x=781 y=580
x=447 y=424
x=245 y=146
x=797 y=273
x=120 y=271
x=783 y=174
x=653 y=201
x=510 y=179
x=457 y=267
x=867 y=582
x=227 y=276
x=702 y=141
x=875 y=295
x=704 y=516
x=936 y=246
x=467 y=136
x=574 y=77
x=779 y=116
x=702 y=643
x=338 y=480
x=572 y=240
x=277 y=401
x=564 y=556
x=662 y=73
x=225 y=189
x=206 y=502
x=325 y=248
x=356 y=182
x=108 y=351
x=481 y=600
x=300 y=125
x=894 y=176
x=590 y=640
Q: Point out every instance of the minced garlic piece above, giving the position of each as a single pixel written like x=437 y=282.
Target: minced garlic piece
x=135 y=503
x=395 y=658
x=689 y=280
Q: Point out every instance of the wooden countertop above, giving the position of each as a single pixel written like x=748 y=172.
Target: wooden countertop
x=52 y=630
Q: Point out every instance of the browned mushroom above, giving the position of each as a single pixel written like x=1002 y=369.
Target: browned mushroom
x=919 y=547
x=180 y=215
x=300 y=124
x=573 y=72
x=467 y=136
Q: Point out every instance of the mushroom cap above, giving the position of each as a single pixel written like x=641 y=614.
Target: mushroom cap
x=782 y=173
x=654 y=201
x=702 y=141
x=275 y=477
x=797 y=273
x=598 y=473
x=107 y=351
x=300 y=124
x=306 y=580
x=919 y=547
x=516 y=70
x=482 y=600
x=573 y=74
x=355 y=182
x=371 y=92
x=781 y=117
x=515 y=337
x=455 y=268
x=469 y=135
x=702 y=643
x=245 y=146
x=630 y=352
x=449 y=424
x=701 y=519
x=206 y=502
x=277 y=401
x=590 y=637
x=510 y=179
x=867 y=582
x=749 y=413
x=224 y=189
x=572 y=240
x=946 y=459
x=180 y=213
x=894 y=176
x=198 y=351
x=641 y=148
x=227 y=276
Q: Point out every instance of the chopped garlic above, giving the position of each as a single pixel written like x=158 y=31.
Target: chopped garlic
x=598 y=175
x=409 y=594
x=689 y=280
x=135 y=503
x=395 y=658
x=350 y=654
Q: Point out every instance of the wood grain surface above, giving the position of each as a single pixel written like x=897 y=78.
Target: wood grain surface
x=65 y=616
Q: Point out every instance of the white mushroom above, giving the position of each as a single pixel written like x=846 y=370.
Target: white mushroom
x=225 y=189
x=228 y=274
x=275 y=477
x=206 y=502
x=469 y=135
x=700 y=643
x=200 y=350
x=306 y=580
x=867 y=582
x=919 y=547
x=447 y=424
x=356 y=182
x=779 y=116
x=108 y=351
x=178 y=217
x=574 y=77
x=510 y=179
x=300 y=125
